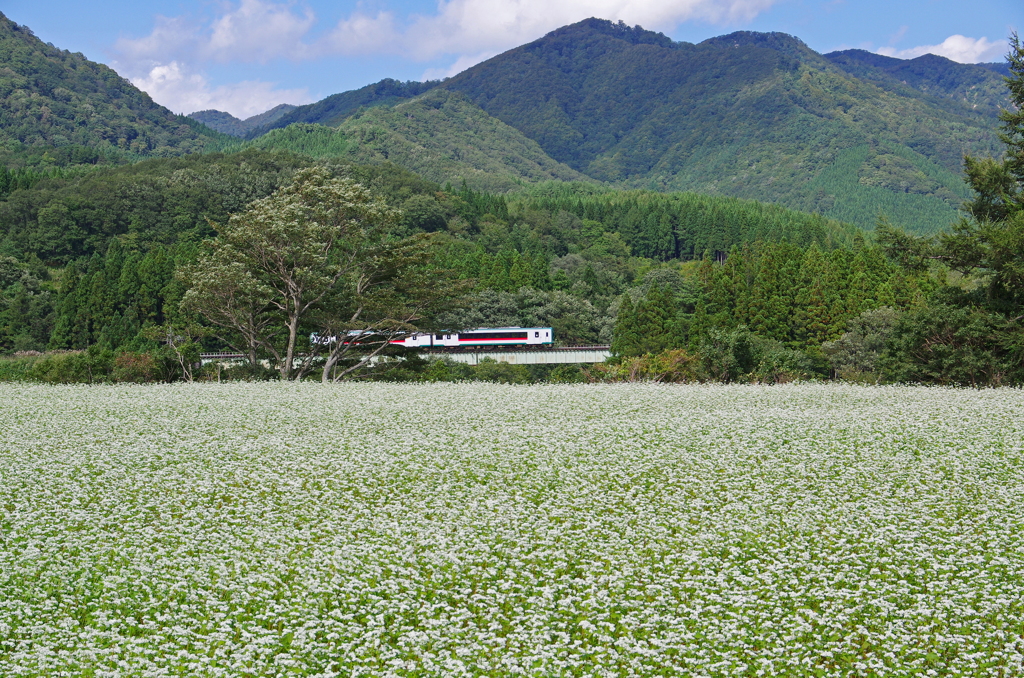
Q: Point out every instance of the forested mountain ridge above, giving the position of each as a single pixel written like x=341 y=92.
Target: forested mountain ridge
x=59 y=108
x=440 y=135
x=975 y=86
x=229 y=124
x=752 y=115
x=336 y=108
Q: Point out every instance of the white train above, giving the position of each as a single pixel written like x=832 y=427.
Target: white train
x=482 y=336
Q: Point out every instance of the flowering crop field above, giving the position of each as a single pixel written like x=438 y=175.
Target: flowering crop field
x=488 y=530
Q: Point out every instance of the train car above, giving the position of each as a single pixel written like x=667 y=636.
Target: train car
x=476 y=338
x=482 y=336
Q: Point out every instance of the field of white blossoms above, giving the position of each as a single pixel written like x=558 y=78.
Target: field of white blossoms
x=488 y=530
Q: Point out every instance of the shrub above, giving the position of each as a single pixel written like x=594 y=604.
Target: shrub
x=74 y=367
x=954 y=346
x=566 y=374
x=490 y=370
x=674 y=365
x=135 y=367
x=855 y=355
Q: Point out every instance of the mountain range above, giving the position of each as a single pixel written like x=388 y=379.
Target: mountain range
x=851 y=135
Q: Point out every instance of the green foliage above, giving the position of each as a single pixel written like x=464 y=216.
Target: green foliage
x=134 y=367
x=93 y=366
x=652 y=325
x=668 y=226
x=152 y=202
x=950 y=85
x=320 y=255
x=439 y=135
x=954 y=345
x=58 y=108
x=670 y=366
x=26 y=305
x=888 y=179
x=501 y=373
x=739 y=355
x=18 y=367
x=974 y=337
x=855 y=355
x=337 y=107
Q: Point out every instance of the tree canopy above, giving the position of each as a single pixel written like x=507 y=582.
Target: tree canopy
x=321 y=254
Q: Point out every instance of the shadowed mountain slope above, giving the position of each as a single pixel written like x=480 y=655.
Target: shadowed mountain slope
x=229 y=124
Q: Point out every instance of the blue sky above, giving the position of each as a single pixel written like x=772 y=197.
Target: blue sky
x=245 y=56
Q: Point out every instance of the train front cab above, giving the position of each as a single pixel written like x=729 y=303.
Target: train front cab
x=539 y=335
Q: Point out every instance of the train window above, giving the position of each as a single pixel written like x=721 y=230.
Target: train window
x=536 y=334
x=438 y=337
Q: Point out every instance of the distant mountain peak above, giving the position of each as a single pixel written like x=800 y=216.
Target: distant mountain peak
x=634 y=35
x=781 y=42
x=229 y=124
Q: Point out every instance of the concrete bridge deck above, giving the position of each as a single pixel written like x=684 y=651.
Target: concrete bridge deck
x=524 y=356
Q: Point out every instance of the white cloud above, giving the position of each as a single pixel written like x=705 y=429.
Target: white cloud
x=255 y=31
x=956 y=47
x=362 y=34
x=182 y=91
x=259 y=31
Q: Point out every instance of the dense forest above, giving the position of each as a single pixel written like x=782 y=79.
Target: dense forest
x=440 y=135
x=96 y=251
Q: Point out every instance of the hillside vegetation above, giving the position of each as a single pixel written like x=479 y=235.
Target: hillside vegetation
x=761 y=116
x=976 y=86
x=751 y=115
x=439 y=135
x=59 y=108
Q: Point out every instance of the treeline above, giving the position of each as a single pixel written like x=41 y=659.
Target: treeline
x=799 y=297
x=105 y=245
x=666 y=226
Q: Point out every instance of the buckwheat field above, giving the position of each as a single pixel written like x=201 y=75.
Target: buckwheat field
x=488 y=530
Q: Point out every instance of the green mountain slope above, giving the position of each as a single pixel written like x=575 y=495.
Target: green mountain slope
x=60 y=108
x=229 y=124
x=337 y=107
x=751 y=115
x=974 y=86
x=440 y=135
x=754 y=115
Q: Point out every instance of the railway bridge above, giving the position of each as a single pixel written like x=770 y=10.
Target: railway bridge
x=526 y=356
x=473 y=356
